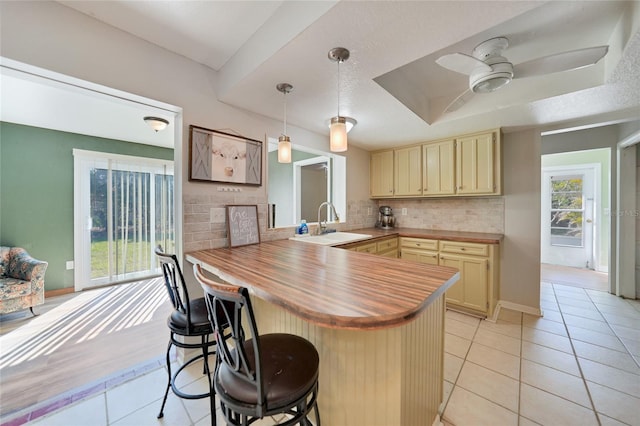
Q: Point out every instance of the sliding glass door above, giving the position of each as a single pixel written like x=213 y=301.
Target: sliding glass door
x=124 y=208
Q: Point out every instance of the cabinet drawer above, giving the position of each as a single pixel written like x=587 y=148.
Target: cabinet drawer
x=387 y=244
x=420 y=243
x=473 y=249
x=367 y=248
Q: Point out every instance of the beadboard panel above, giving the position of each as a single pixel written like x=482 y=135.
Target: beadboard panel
x=390 y=376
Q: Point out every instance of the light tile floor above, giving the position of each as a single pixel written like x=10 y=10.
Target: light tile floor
x=577 y=365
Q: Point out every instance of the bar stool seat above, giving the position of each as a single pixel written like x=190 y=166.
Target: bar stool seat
x=289 y=367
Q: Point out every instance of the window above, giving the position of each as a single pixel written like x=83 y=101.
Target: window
x=567 y=211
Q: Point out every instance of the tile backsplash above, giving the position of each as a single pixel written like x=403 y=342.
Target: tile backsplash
x=205 y=226
x=452 y=214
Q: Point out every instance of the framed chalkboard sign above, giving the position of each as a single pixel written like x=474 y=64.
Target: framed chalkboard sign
x=242 y=225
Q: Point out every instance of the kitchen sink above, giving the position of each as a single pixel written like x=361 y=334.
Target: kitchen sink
x=331 y=239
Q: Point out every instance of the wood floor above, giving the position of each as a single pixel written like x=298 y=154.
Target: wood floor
x=80 y=339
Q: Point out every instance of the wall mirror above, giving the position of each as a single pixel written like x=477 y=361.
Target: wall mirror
x=295 y=190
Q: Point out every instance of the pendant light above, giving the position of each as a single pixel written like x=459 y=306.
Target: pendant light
x=284 y=142
x=338 y=126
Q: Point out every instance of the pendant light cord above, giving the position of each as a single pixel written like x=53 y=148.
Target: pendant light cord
x=339 y=87
x=284 y=93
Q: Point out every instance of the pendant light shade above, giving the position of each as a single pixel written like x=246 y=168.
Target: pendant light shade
x=284 y=142
x=284 y=149
x=338 y=127
x=156 y=123
x=338 y=134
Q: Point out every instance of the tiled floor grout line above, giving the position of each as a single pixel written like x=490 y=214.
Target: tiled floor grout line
x=635 y=359
x=575 y=355
x=466 y=354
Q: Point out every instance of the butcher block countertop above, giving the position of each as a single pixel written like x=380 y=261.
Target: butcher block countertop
x=329 y=286
x=434 y=234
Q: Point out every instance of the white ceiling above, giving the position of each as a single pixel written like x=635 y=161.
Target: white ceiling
x=253 y=45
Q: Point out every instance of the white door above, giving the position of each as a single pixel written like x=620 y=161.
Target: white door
x=568 y=218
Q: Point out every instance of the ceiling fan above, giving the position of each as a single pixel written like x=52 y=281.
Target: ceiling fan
x=488 y=70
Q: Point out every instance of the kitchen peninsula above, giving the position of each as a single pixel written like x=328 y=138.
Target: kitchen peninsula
x=378 y=323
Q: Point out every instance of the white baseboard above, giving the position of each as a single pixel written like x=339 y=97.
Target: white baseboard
x=514 y=307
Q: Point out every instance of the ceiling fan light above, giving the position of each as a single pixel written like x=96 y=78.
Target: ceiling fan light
x=490 y=84
x=156 y=123
x=500 y=75
x=284 y=149
x=338 y=134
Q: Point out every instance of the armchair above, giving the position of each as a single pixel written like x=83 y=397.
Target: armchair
x=21 y=280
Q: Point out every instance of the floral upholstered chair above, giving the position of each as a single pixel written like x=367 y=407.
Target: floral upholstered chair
x=21 y=280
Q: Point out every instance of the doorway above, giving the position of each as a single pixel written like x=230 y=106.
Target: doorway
x=124 y=207
x=575 y=218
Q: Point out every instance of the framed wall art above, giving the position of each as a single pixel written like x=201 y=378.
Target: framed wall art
x=216 y=156
x=242 y=225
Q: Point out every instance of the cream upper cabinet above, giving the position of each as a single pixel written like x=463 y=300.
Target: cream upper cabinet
x=438 y=168
x=408 y=171
x=381 y=174
x=477 y=164
x=459 y=167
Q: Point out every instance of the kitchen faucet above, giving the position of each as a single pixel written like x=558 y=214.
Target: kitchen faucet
x=322 y=227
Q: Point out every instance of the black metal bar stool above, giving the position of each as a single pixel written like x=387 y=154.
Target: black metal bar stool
x=258 y=375
x=188 y=319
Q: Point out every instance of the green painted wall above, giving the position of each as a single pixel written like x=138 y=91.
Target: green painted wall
x=36 y=191
x=592 y=156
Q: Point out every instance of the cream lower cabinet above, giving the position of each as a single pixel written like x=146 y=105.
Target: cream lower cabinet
x=419 y=250
x=387 y=247
x=477 y=290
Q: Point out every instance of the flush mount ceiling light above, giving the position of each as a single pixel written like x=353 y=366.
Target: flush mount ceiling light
x=156 y=123
x=338 y=124
x=284 y=142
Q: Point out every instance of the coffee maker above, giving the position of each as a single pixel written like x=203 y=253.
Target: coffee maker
x=385 y=218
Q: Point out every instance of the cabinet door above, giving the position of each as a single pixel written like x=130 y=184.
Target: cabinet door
x=475 y=164
x=438 y=168
x=381 y=174
x=408 y=171
x=422 y=256
x=472 y=288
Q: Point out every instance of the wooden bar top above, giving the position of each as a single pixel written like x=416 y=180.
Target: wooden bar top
x=329 y=286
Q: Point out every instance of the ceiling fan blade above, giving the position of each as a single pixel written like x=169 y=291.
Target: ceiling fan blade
x=565 y=61
x=459 y=101
x=459 y=62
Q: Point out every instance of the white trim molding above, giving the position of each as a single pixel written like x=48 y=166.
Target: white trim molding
x=514 y=307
